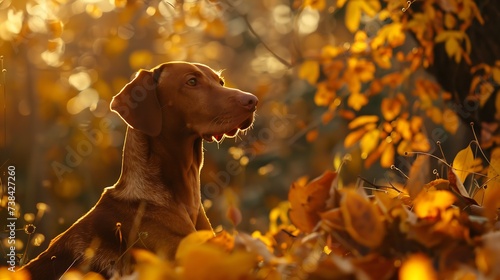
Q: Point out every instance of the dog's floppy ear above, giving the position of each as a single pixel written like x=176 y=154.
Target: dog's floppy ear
x=138 y=105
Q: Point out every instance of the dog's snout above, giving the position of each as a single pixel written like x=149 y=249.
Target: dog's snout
x=249 y=101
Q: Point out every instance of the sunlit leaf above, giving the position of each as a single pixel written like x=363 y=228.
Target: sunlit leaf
x=429 y=204
x=390 y=108
x=357 y=100
x=353 y=137
x=207 y=261
x=463 y=163
x=387 y=158
x=307 y=201
x=150 y=266
x=417 y=267
x=315 y=4
x=191 y=241
x=340 y=3
x=362 y=219
x=324 y=96
x=362 y=120
x=360 y=42
x=309 y=71
x=355 y=9
x=449 y=21
x=369 y=141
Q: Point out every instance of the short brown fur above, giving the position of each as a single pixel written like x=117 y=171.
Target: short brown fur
x=156 y=201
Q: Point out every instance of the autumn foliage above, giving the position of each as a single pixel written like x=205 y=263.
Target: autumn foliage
x=390 y=82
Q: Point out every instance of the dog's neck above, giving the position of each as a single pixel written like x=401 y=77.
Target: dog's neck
x=168 y=165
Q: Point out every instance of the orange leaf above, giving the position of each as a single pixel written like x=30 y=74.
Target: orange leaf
x=353 y=137
x=309 y=200
x=332 y=219
x=391 y=107
x=312 y=135
x=387 y=158
x=324 y=96
x=417 y=267
x=362 y=120
x=430 y=204
x=357 y=100
x=362 y=219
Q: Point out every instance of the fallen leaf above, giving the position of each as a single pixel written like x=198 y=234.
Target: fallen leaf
x=430 y=204
x=417 y=267
x=194 y=239
x=309 y=200
x=362 y=219
x=463 y=163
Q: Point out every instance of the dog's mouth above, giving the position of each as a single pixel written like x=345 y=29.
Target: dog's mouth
x=231 y=133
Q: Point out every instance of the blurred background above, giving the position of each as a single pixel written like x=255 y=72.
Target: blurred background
x=335 y=81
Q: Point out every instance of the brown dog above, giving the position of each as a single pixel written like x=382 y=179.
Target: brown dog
x=156 y=201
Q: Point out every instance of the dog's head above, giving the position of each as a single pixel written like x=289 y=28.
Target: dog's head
x=184 y=97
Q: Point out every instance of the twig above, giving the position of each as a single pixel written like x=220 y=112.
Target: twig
x=252 y=30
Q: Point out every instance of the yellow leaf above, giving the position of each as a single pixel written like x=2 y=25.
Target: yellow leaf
x=352 y=15
x=355 y=8
x=150 y=266
x=362 y=219
x=357 y=100
x=209 y=262
x=370 y=141
x=449 y=21
x=391 y=107
x=309 y=71
x=6 y=274
x=340 y=3
x=417 y=267
x=451 y=121
x=362 y=120
x=330 y=51
x=191 y=241
x=324 y=96
x=387 y=158
x=453 y=49
x=463 y=163
x=360 y=42
x=430 y=204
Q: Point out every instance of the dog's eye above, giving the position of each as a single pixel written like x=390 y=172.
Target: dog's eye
x=192 y=82
x=221 y=82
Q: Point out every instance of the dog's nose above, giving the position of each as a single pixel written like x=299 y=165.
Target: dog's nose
x=249 y=101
